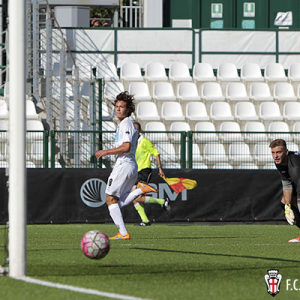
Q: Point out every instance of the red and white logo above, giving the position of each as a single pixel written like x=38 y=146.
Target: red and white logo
x=273 y=280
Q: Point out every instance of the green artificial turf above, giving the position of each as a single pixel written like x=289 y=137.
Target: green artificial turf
x=161 y=262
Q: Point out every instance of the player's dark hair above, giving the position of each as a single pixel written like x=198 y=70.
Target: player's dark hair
x=278 y=142
x=138 y=125
x=126 y=97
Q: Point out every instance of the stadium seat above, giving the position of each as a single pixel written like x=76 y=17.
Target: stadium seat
x=239 y=153
x=279 y=130
x=36 y=153
x=203 y=72
x=269 y=166
x=230 y=132
x=107 y=71
x=106 y=115
x=3 y=164
x=187 y=91
x=298 y=91
x=284 y=91
x=167 y=153
x=207 y=132
x=274 y=72
x=108 y=126
x=196 y=111
x=294 y=73
x=85 y=90
x=199 y=165
x=251 y=72
x=3 y=109
x=69 y=105
x=31 y=111
x=296 y=132
x=178 y=126
x=155 y=72
x=3 y=130
x=220 y=111
x=55 y=69
x=163 y=91
x=34 y=125
x=179 y=71
x=140 y=91
x=211 y=91
x=269 y=111
x=84 y=70
x=255 y=132
x=291 y=146
x=130 y=71
x=236 y=91
x=171 y=111
x=3 y=152
x=227 y=72
x=112 y=89
x=214 y=153
x=247 y=166
x=147 y=111
x=222 y=166
x=260 y=91
x=196 y=157
x=291 y=111
x=30 y=164
x=156 y=136
x=245 y=111
x=262 y=153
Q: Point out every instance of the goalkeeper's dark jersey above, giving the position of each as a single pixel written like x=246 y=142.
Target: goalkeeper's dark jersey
x=291 y=172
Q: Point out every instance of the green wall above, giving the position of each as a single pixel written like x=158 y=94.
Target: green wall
x=233 y=15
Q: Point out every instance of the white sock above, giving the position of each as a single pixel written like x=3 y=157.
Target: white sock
x=130 y=197
x=116 y=215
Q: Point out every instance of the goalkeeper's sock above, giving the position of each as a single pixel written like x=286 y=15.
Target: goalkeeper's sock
x=116 y=215
x=153 y=200
x=141 y=211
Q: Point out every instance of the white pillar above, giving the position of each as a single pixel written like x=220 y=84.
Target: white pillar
x=17 y=171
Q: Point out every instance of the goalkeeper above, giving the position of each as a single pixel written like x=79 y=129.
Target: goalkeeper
x=143 y=154
x=288 y=165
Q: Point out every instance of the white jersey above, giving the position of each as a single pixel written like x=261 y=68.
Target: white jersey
x=124 y=173
x=126 y=133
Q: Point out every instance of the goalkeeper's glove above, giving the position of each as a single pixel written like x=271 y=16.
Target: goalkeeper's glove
x=289 y=214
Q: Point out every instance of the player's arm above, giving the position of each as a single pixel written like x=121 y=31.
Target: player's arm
x=160 y=170
x=124 y=148
x=287 y=190
x=287 y=196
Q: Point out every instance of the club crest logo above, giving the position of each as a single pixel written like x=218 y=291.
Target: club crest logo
x=92 y=192
x=273 y=280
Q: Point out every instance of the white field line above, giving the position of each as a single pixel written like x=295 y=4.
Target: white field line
x=76 y=289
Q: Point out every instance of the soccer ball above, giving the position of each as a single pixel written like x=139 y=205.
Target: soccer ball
x=95 y=244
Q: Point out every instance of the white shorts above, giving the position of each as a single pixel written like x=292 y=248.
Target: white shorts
x=121 y=180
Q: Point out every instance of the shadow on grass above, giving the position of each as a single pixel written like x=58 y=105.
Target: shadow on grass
x=219 y=254
x=100 y=268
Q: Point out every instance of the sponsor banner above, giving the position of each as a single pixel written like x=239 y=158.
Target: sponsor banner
x=78 y=196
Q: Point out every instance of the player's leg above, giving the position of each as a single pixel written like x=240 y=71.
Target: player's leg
x=164 y=203
x=144 y=176
x=116 y=215
x=115 y=189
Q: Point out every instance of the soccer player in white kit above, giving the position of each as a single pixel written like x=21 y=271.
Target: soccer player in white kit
x=124 y=174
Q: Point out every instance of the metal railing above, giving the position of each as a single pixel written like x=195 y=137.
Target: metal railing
x=179 y=149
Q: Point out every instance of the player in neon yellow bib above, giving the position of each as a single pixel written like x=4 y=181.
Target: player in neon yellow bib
x=143 y=155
